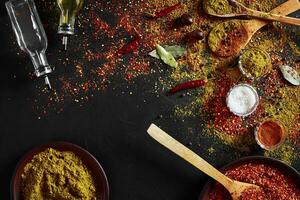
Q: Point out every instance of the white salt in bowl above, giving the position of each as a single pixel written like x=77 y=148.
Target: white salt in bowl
x=242 y=100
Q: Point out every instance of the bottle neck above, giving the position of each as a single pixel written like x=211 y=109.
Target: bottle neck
x=40 y=63
x=66 y=23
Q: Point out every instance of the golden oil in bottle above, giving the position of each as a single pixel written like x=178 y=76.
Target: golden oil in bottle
x=69 y=10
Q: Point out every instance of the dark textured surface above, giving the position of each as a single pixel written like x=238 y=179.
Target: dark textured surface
x=110 y=126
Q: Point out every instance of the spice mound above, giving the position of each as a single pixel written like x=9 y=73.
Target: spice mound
x=52 y=174
x=255 y=63
x=270 y=134
x=226 y=38
x=274 y=184
x=217 y=7
x=242 y=100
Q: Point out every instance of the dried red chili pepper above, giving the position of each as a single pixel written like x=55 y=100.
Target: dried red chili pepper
x=130 y=47
x=166 y=11
x=186 y=85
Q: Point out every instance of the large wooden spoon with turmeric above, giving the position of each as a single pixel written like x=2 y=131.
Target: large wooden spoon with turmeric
x=235 y=188
x=230 y=37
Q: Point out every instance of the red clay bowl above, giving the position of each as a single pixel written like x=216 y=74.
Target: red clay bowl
x=89 y=160
x=256 y=159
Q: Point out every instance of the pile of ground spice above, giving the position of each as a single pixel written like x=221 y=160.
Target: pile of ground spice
x=224 y=39
x=217 y=7
x=52 y=174
x=221 y=7
x=255 y=62
x=275 y=184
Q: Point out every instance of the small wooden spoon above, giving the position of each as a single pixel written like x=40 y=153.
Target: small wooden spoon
x=241 y=10
x=235 y=188
x=233 y=46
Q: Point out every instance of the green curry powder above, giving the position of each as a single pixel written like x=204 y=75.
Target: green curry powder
x=217 y=7
x=57 y=175
x=221 y=7
x=255 y=62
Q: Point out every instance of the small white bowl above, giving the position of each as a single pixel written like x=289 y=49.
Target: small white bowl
x=250 y=111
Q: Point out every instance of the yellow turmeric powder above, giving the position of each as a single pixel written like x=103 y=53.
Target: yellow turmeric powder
x=52 y=174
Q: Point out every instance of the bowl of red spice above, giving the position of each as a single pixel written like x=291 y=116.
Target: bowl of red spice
x=59 y=170
x=270 y=134
x=277 y=180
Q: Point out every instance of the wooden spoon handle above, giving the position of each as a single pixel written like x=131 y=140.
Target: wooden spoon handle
x=286 y=8
x=275 y=17
x=188 y=155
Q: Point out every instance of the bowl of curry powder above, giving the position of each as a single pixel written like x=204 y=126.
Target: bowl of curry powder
x=59 y=170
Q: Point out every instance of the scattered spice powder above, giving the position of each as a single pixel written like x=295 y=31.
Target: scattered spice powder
x=98 y=65
x=52 y=174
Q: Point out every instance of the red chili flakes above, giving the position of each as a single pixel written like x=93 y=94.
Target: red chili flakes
x=276 y=185
x=89 y=55
x=295 y=133
x=98 y=24
x=105 y=71
x=85 y=86
x=136 y=68
x=226 y=121
x=253 y=193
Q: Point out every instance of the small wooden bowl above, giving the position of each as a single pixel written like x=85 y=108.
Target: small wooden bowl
x=286 y=169
x=88 y=159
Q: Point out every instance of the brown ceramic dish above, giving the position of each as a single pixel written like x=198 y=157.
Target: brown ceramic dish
x=89 y=160
x=254 y=159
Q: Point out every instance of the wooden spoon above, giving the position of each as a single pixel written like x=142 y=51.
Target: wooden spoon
x=241 y=10
x=235 y=188
x=233 y=43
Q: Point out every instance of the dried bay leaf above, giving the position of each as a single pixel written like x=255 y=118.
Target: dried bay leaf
x=290 y=74
x=176 y=51
x=154 y=54
x=166 y=57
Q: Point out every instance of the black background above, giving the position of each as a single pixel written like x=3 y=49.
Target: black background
x=111 y=126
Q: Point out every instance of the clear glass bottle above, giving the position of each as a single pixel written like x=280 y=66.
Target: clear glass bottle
x=30 y=34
